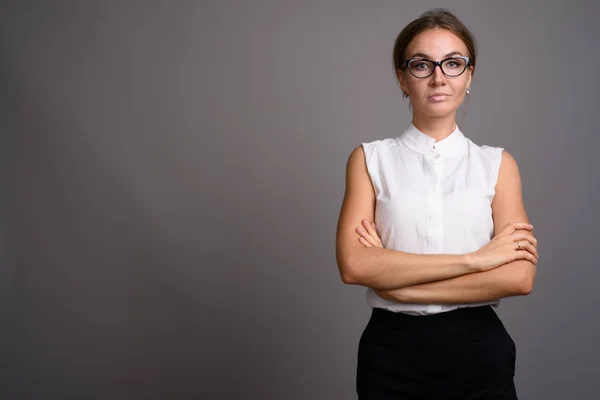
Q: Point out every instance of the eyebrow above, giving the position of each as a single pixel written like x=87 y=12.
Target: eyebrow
x=423 y=55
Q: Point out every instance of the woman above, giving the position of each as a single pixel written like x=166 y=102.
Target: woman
x=450 y=235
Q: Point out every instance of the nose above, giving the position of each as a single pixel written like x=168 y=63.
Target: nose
x=437 y=78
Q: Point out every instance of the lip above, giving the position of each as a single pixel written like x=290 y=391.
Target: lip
x=438 y=97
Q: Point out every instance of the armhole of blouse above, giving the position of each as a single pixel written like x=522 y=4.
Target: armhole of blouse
x=369 y=150
x=496 y=166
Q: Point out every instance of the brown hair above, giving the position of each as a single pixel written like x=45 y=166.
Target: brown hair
x=434 y=18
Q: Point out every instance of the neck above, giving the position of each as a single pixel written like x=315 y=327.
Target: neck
x=437 y=128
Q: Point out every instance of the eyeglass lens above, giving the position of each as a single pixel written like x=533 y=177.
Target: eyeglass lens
x=450 y=67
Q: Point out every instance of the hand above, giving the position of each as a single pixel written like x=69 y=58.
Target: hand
x=514 y=242
x=368 y=234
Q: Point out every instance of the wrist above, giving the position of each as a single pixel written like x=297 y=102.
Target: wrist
x=396 y=295
x=404 y=295
x=470 y=262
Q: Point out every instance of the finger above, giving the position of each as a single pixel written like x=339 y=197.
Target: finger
x=374 y=227
x=372 y=237
x=525 y=245
x=523 y=235
x=517 y=225
x=513 y=226
x=365 y=235
x=525 y=255
x=529 y=247
x=531 y=239
x=376 y=234
x=369 y=227
x=364 y=242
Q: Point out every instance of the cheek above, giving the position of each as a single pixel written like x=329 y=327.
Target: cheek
x=459 y=87
x=418 y=88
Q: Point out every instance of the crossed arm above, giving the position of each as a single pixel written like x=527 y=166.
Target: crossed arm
x=511 y=279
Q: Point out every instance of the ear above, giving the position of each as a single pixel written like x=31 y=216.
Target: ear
x=402 y=80
x=470 y=71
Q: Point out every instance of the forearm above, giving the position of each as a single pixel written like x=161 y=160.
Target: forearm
x=511 y=279
x=385 y=269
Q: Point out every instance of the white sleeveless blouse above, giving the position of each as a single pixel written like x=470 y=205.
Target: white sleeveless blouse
x=432 y=198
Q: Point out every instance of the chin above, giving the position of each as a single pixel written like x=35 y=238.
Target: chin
x=438 y=110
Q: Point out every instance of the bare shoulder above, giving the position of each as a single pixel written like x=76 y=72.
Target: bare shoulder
x=509 y=177
x=357 y=156
x=508 y=165
x=357 y=175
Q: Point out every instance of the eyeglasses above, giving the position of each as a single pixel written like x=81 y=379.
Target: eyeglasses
x=451 y=67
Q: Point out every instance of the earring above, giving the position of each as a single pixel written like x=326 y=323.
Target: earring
x=404 y=94
x=468 y=90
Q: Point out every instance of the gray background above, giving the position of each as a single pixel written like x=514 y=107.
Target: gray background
x=173 y=173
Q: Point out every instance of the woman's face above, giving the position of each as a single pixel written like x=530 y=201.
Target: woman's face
x=437 y=95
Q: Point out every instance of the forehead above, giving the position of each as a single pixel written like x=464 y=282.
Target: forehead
x=436 y=43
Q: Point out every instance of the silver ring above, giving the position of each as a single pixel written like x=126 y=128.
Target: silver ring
x=518 y=245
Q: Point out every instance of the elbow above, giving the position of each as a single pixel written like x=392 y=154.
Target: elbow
x=527 y=281
x=525 y=288
x=349 y=274
x=349 y=271
x=348 y=278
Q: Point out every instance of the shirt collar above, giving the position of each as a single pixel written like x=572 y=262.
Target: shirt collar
x=418 y=141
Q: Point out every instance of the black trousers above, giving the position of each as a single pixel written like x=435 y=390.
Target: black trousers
x=464 y=354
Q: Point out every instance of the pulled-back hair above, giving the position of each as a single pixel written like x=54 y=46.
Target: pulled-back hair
x=434 y=18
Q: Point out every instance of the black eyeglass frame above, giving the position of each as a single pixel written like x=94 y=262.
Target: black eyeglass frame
x=437 y=63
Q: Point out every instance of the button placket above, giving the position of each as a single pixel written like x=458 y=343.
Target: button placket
x=430 y=200
x=436 y=220
x=438 y=207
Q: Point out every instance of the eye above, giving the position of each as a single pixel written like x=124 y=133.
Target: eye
x=420 y=65
x=456 y=63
